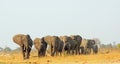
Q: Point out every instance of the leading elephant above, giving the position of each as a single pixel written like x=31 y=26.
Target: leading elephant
x=41 y=46
x=56 y=45
x=25 y=42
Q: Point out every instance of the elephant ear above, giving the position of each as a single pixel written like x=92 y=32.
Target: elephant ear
x=18 y=39
x=25 y=40
x=37 y=43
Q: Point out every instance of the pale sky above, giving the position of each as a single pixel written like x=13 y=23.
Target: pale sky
x=88 y=18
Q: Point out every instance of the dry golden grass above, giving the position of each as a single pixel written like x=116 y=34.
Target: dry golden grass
x=104 y=57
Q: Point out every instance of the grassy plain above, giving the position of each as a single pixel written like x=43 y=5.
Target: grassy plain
x=106 y=56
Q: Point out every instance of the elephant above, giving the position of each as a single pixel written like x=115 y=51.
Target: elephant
x=88 y=45
x=25 y=42
x=97 y=44
x=77 y=40
x=69 y=45
x=41 y=46
x=60 y=47
x=95 y=49
x=91 y=46
x=83 y=46
x=56 y=45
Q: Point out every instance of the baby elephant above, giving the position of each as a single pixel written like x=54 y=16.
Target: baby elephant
x=41 y=46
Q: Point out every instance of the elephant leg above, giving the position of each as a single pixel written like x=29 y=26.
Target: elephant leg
x=51 y=49
x=56 y=53
x=72 y=51
x=27 y=53
x=29 y=49
x=41 y=53
x=44 y=50
x=44 y=53
x=53 y=52
x=63 y=49
x=60 y=53
x=82 y=50
x=89 y=50
x=38 y=53
x=69 y=51
x=86 y=51
x=76 y=51
x=23 y=52
x=79 y=50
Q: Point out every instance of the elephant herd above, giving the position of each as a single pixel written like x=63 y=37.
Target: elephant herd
x=72 y=45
